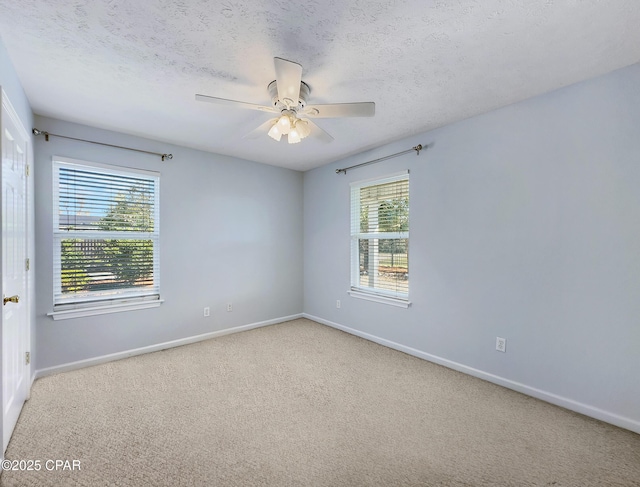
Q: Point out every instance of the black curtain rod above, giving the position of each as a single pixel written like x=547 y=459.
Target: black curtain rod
x=48 y=134
x=417 y=148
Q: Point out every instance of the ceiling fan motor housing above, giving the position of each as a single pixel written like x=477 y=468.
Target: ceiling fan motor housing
x=305 y=90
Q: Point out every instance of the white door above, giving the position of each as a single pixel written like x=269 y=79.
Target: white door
x=15 y=326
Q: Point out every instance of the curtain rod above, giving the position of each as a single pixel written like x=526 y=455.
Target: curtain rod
x=48 y=134
x=417 y=148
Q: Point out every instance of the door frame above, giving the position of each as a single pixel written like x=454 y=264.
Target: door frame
x=30 y=250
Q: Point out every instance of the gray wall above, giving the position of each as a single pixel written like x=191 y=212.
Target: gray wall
x=230 y=231
x=525 y=224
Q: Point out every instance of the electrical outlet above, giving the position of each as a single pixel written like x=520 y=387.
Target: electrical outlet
x=338 y=304
x=207 y=311
x=501 y=344
x=229 y=307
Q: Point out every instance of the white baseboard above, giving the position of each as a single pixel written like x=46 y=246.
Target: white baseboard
x=591 y=411
x=160 y=346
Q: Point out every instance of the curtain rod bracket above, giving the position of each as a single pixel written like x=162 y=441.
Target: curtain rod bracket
x=417 y=148
x=37 y=132
x=40 y=132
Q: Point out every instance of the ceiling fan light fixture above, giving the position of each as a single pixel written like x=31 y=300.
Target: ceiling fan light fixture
x=303 y=128
x=284 y=123
x=294 y=136
x=275 y=133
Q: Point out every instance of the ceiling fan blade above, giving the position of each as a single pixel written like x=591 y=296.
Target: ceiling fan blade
x=337 y=110
x=288 y=78
x=317 y=132
x=237 y=104
x=261 y=130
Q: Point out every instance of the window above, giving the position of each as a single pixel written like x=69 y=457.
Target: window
x=105 y=237
x=380 y=239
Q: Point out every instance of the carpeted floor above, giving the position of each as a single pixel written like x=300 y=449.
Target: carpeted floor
x=300 y=404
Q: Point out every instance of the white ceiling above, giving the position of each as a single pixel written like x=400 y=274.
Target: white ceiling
x=135 y=66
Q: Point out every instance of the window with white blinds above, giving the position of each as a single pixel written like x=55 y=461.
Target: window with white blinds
x=380 y=237
x=106 y=234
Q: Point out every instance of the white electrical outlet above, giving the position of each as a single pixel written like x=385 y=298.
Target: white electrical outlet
x=501 y=344
x=338 y=304
x=207 y=311
x=229 y=307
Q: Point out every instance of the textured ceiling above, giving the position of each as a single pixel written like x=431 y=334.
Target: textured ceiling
x=135 y=66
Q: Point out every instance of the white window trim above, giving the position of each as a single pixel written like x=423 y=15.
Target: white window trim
x=81 y=309
x=378 y=298
x=117 y=307
x=377 y=295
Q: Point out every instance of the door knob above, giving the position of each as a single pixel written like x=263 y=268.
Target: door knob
x=12 y=299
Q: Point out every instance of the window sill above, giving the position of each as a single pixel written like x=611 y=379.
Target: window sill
x=104 y=309
x=400 y=303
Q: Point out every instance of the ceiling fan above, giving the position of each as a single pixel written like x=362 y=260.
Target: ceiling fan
x=289 y=96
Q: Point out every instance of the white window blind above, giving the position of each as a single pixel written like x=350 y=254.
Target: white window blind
x=106 y=234
x=380 y=237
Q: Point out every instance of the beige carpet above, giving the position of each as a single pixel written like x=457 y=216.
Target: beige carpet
x=300 y=404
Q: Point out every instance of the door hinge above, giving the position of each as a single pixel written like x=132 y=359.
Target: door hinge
x=27 y=170
x=27 y=265
x=27 y=358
